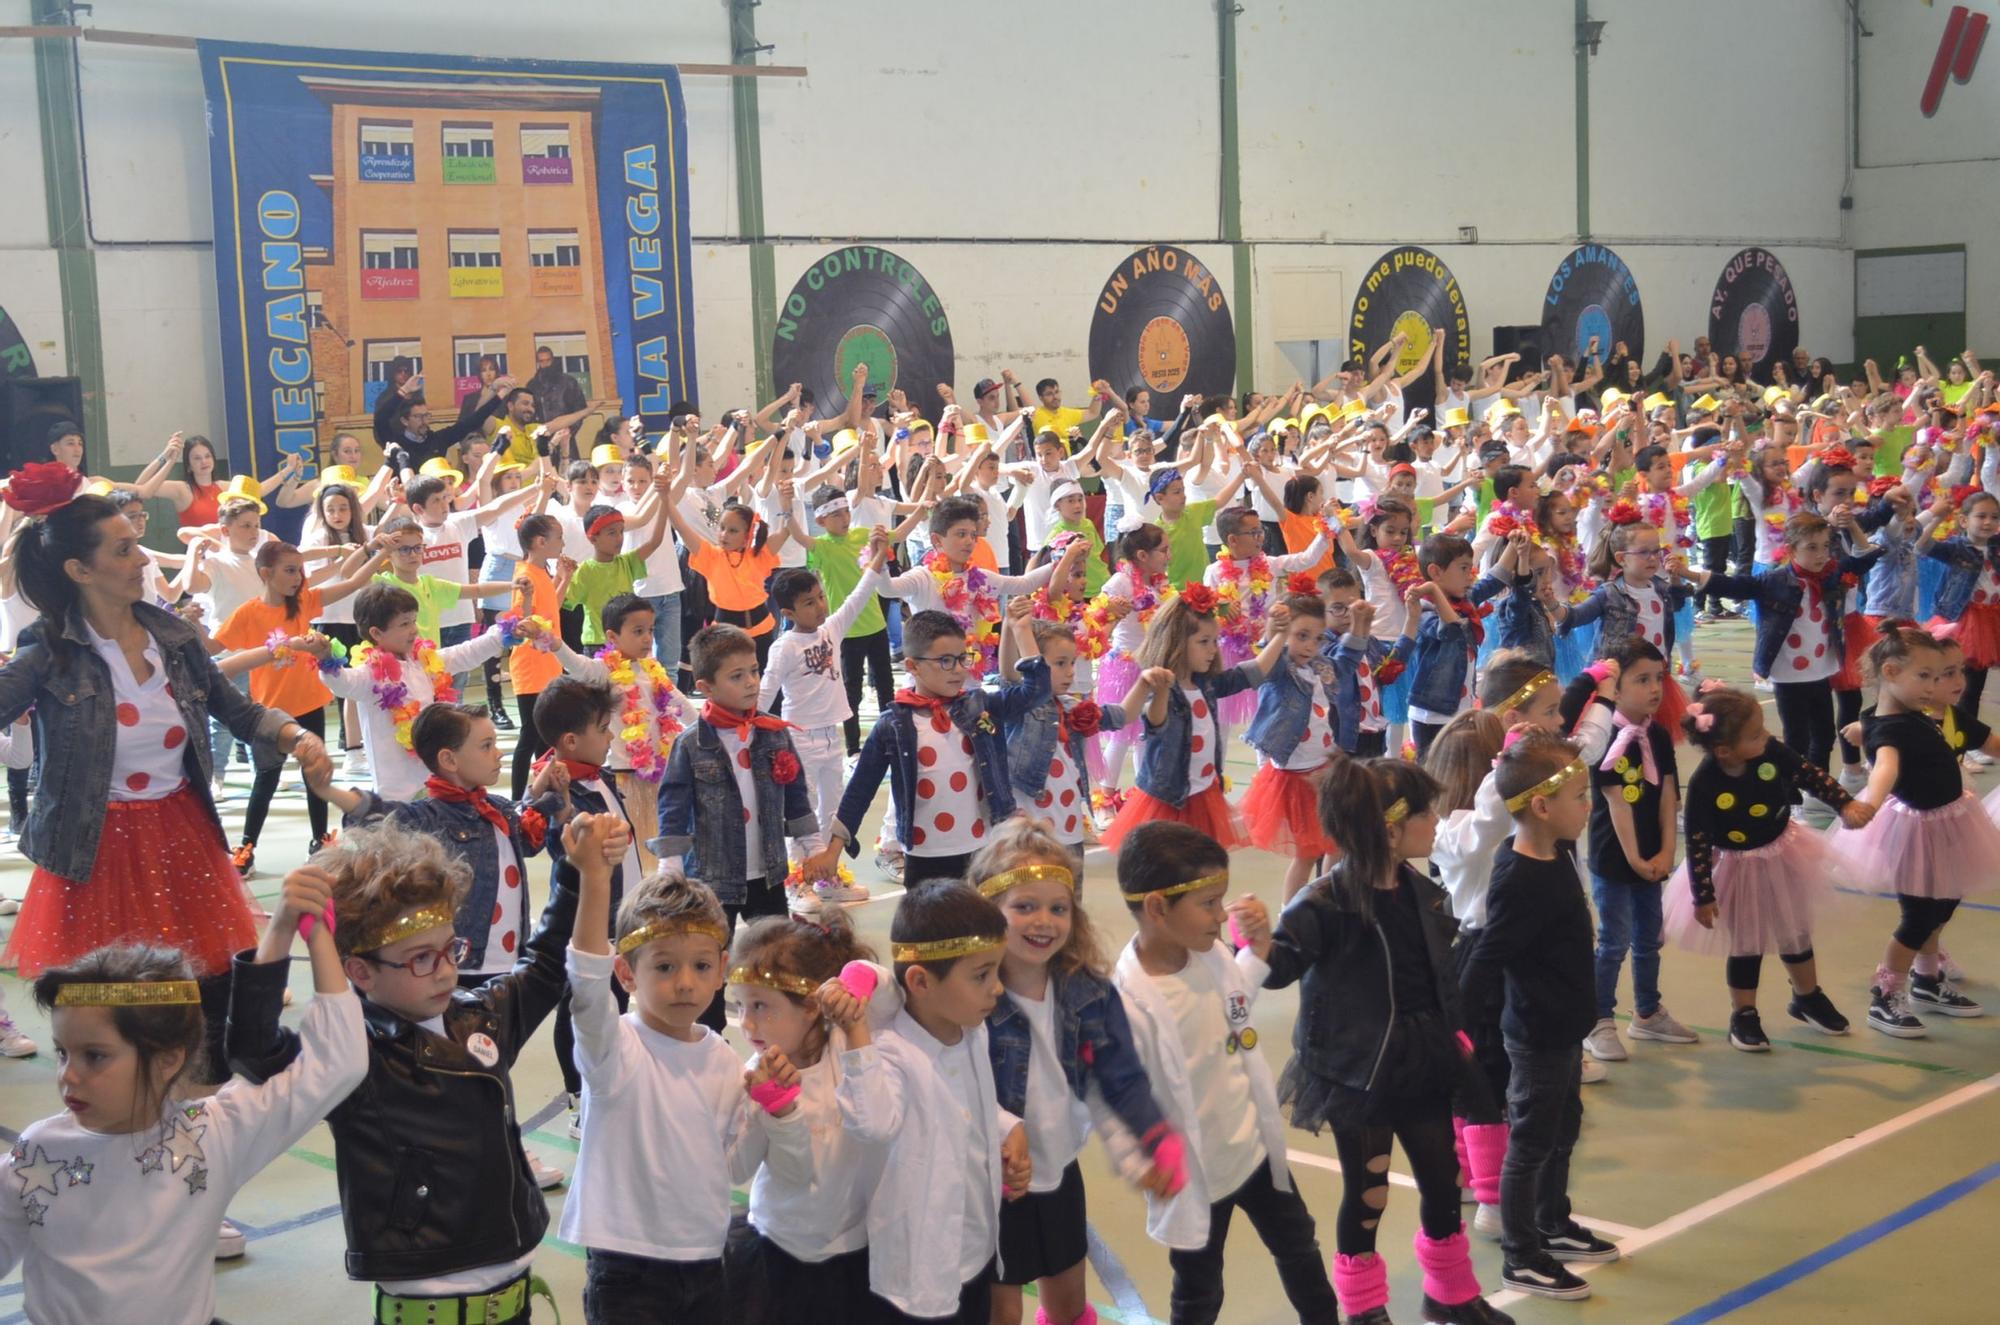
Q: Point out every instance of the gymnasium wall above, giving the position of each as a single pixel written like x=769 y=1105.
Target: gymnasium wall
x=1015 y=154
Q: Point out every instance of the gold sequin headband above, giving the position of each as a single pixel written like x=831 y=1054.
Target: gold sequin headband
x=666 y=929
x=1547 y=786
x=1014 y=878
x=130 y=994
x=944 y=950
x=1399 y=810
x=1525 y=693
x=415 y=922
x=1179 y=888
x=784 y=984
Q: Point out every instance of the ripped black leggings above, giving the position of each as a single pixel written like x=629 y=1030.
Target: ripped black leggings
x=1364 y=1180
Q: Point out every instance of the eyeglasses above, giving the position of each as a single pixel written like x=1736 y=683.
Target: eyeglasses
x=951 y=662
x=1646 y=552
x=425 y=963
x=400 y=551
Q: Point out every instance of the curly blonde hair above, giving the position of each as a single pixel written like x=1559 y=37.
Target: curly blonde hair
x=1023 y=841
x=384 y=872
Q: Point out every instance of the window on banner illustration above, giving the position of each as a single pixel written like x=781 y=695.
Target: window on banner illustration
x=545 y=154
x=468 y=153
x=466 y=353
x=475 y=264
x=315 y=309
x=387 y=152
x=572 y=351
x=376 y=356
x=389 y=264
x=556 y=259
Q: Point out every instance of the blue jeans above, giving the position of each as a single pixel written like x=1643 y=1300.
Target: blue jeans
x=1628 y=920
x=498 y=568
x=667 y=634
x=892 y=616
x=221 y=740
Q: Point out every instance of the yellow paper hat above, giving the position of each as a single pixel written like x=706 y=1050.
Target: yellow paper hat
x=97 y=487
x=605 y=453
x=1611 y=396
x=1658 y=400
x=342 y=475
x=977 y=432
x=1353 y=409
x=925 y=425
x=1284 y=425
x=508 y=467
x=1307 y=419
x=1706 y=405
x=439 y=467
x=1774 y=394
x=1500 y=409
x=1457 y=418
x=244 y=488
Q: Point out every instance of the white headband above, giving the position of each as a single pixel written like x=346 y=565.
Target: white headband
x=833 y=507
x=1065 y=489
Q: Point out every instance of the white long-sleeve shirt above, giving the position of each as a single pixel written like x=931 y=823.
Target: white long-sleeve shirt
x=918 y=588
x=804 y=665
x=119 y=1228
x=399 y=774
x=1464 y=848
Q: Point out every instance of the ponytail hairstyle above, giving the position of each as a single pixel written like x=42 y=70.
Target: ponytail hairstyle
x=1462 y=755
x=1385 y=509
x=73 y=531
x=759 y=532
x=1297 y=488
x=1168 y=633
x=1618 y=536
x=1718 y=716
x=811 y=950
x=268 y=557
x=1354 y=799
x=1899 y=638
x=1022 y=841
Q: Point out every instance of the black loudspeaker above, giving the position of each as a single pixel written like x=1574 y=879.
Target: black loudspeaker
x=28 y=406
x=1524 y=341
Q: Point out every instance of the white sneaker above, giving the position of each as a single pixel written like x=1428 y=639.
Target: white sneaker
x=804 y=901
x=1979 y=759
x=833 y=890
x=229 y=1242
x=1853 y=780
x=1603 y=1043
x=1594 y=1071
x=13 y=1042
x=545 y=1177
x=1762 y=685
x=9 y=906
x=1486 y=1221
x=356 y=766
x=1661 y=1026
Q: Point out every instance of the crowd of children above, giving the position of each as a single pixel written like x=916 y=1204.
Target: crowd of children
x=1462 y=657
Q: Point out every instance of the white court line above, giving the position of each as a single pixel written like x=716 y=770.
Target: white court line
x=1308 y=1158
x=1695 y=1215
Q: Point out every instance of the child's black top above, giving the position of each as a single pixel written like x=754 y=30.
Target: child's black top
x=1538 y=936
x=1927 y=776
x=1626 y=780
x=1748 y=811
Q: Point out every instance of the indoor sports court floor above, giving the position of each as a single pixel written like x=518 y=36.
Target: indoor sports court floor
x=1830 y=1180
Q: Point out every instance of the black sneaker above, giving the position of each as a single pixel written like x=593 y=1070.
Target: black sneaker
x=1938 y=993
x=501 y=722
x=1372 y=1316
x=1817 y=1011
x=1576 y=1243
x=1891 y=1014
x=1746 y=1032
x=1472 y=1311
x=1544 y=1276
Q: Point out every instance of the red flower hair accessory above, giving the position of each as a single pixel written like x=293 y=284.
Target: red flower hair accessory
x=784 y=768
x=1302 y=581
x=1501 y=525
x=1199 y=597
x=1623 y=512
x=1963 y=493
x=1838 y=457
x=42 y=486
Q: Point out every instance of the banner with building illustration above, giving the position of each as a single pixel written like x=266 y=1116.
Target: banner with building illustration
x=372 y=207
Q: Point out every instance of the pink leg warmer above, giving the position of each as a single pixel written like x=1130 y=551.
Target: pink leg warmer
x=1089 y=1317
x=1458 y=1145
x=1361 y=1283
x=1486 y=1151
x=1447 y=1262
x=1888 y=981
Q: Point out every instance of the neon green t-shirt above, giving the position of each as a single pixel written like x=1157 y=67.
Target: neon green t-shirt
x=1188 y=557
x=597 y=583
x=837 y=560
x=434 y=597
x=1095 y=572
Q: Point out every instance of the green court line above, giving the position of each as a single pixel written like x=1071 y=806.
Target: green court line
x=314 y=1158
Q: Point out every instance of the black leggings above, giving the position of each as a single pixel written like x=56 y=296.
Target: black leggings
x=1922 y=917
x=17 y=798
x=491 y=668
x=266 y=786
x=349 y=636
x=1742 y=972
x=1364 y=1176
x=1805 y=715
x=1975 y=687
x=874 y=651
x=528 y=745
x=1846 y=709
x=1714 y=558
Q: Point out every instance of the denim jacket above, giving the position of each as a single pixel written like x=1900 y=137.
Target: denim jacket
x=1031 y=747
x=701 y=811
x=1892 y=581
x=1613 y=604
x=1284 y=707
x=1962 y=564
x=1521 y=622
x=1164 y=754
x=1347 y=654
x=76 y=730
x=1780 y=596
x=469 y=838
x=891 y=748
x=1093 y=1042
x=1437 y=676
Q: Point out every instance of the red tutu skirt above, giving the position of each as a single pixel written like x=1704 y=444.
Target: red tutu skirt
x=162 y=875
x=1858 y=635
x=1673 y=703
x=1977 y=632
x=1947 y=852
x=1765 y=898
x=1281 y=812
x=1207 y=810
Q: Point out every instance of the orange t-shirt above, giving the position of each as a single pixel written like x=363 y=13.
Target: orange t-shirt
x=982 y=557
x=736 y=580
x=296 y=688
x=1299 y=531
x=531 y=668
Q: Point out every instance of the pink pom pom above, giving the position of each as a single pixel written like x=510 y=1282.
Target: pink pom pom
x=306 y=923
x=1170 y=1157
x=772 y=1097
x=1236 y=935
x=858 y=979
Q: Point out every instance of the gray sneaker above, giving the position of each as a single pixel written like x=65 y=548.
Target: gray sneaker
x=1661 y=1026
x=1603 y=1043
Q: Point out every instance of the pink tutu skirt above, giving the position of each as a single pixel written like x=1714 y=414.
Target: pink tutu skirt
x=1117 y=673
x=1765 y=898
x=1947 y=852
x=1239 y=708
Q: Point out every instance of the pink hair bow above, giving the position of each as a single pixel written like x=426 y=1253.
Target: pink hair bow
x=1703 y=720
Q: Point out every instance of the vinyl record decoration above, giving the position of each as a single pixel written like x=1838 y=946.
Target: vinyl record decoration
x=1593 y=294
x=862 y=304
x=1162 y=323
x=1410 y=290
x=1754 y=312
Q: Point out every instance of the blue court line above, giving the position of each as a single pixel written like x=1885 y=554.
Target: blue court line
x=1890 y=897
x=1116 y=1279
x=1759 y=1289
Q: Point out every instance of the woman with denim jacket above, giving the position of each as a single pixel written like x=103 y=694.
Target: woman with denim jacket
x=123 y=833
x=1063 y=1060
x=1180 y=759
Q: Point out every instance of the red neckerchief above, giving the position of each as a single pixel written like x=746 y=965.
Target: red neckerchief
x=578 y=770
x=1816 y=581
x=451 y=793
x=940 y=709
x=719 y=717
x=1472 y=612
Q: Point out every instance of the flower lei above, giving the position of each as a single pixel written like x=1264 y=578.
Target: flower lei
x=646 y=752
x=1148 y=595
x=972 y=604
x=1403 y=571
x=392 y=696
x=1658 y=505
x=1570 y=565
x=509 y=624
x=282 y=652
x=1242 y=597
x=1506 y=517
x=1089 y=622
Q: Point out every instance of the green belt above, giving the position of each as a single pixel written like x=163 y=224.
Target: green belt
x=501 y=1304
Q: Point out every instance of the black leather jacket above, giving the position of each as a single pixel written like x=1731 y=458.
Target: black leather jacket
x=428 y=1147
x=1347 y=997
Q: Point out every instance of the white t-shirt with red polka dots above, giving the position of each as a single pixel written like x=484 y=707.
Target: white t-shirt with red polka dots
x=1807 y=653
x=1316 y=746
x=746 y=790
x=1987 y=589
x=1651 y=621
x=1202 y=753
x=1367 y=688
x=148 y=762
x=503 y=936
x=949 y=810
x=1061 y=800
